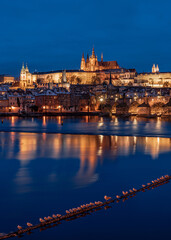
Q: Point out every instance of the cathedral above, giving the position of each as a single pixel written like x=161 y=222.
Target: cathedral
x=92 y=64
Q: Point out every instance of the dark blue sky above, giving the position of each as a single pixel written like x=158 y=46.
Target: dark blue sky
x=52 y=34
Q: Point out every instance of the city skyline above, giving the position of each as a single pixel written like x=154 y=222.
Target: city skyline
x=49 y=36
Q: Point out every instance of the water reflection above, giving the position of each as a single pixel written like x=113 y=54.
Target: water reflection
x=13 y=120
x=132 y=126
x=78 y=156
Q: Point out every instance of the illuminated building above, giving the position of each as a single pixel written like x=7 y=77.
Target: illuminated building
x=92 y=63
x=91 y=71
x=6 y=79
x=155 y=69
x=154 y=78
x=26 y=78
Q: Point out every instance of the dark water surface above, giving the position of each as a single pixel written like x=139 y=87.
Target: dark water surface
x=90 y=125
x=43 y=173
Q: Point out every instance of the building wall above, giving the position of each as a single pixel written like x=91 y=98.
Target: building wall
x=153 y=79
x=53 y=101
x=85 y=77
x=6 y=79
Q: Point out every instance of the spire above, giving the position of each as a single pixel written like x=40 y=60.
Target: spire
x=110 y=80
x=82 y=62
x=27 y=68
x=93 y=53
x=157 y=68
x=87 y=58
x=101 y=57
x=64 y=80
x=23 y=68
x=83 y=56
x=153 y=68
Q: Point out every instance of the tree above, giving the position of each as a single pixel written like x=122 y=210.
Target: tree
x=72 y=79
x=18 y=102
x=166 y=84
x=104 y=84
x=130 y=84
x=78 y=80
x=34 y=108
x=160 y=82
x=118 y=82
x=151 y=81
x=95 y=80
x=106 y=108
x=39 y=81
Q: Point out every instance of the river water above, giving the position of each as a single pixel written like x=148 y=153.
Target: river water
x=46 y=168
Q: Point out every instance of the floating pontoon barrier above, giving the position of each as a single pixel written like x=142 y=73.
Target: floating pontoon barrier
x=84 y=209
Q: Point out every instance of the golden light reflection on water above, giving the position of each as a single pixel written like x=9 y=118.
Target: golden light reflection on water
x=44 y=121
x=27 y=148
x=89 y=150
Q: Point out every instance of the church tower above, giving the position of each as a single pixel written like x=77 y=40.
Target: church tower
x=83 y=65
x=26 y=80
x=93 y=61
x=153 y=68
x=93 y=53
x=87 y=61
x=101 y=57
x=157 y=68
x=23 y=81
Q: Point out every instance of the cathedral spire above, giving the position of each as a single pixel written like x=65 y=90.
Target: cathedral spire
x=93 y=53
x=101 y=57
x=82 y=62
x=157 y=68
x=23 y=68
x=87 y=58
x=27 y=68
x=153 y=68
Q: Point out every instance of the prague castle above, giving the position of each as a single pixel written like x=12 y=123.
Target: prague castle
x=91 y=71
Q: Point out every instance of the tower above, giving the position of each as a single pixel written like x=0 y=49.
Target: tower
x=93 y=53
x=83 y=62
x=64 y=80
x=157 y=68
x=87 y=58
x=23 y=73
x=26 y=69
x=101 y=57
x=153 y=68
x=93 y=60
x=26 y=80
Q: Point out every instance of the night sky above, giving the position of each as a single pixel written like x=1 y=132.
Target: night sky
x=52 y=34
